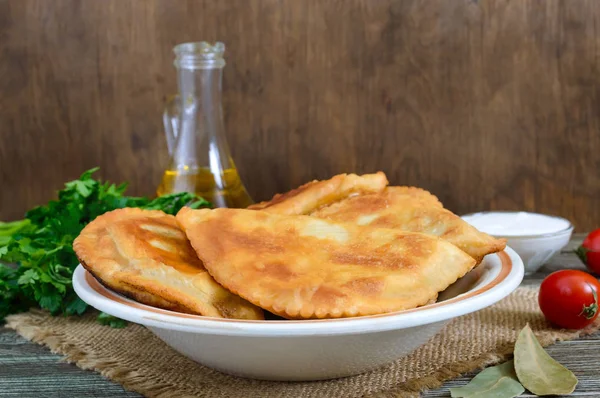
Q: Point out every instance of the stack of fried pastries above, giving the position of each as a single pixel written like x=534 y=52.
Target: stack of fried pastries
x=345 y=247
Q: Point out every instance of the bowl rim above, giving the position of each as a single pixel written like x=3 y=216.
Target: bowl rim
x=507 y=264
x=568 y=229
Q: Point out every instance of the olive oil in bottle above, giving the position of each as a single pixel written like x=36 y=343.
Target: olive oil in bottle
x=222 y=190
x=200 y=161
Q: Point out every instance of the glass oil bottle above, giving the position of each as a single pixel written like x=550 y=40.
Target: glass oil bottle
x=200 y=160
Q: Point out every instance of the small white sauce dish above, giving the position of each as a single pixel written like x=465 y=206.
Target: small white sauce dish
x=310 y=349
x=535 y=237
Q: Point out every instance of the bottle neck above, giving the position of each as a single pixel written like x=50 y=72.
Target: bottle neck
x=201 y=142
x=200 y=92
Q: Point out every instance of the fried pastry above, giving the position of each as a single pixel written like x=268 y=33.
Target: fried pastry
x=302 y=267
x=416 y=210
x=143 y=254
x=315 y=194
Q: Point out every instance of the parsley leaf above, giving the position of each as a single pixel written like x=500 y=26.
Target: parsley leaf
x=36 y=254
x=113 y=322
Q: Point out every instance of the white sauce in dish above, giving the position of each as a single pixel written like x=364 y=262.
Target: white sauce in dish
x=516 y=223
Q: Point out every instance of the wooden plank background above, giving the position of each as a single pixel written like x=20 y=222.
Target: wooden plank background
x=489 y=104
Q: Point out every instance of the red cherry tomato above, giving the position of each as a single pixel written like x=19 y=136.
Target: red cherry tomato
x=569 y=298
x=589 y=251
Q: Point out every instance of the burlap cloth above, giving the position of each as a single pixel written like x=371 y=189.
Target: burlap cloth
x=141 y=362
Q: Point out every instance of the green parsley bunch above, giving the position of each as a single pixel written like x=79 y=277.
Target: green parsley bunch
x=36 y=254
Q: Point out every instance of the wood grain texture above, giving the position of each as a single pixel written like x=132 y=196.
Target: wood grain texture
x=29 y=370
x=489 y=104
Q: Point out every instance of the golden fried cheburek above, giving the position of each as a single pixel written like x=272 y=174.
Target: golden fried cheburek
x=145 y=255
x=302 y=267
x=315 y=194
x=416 y=210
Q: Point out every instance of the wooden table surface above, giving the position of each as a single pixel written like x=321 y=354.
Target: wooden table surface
x=30 y=370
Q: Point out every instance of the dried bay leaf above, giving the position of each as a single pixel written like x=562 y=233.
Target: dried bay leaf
x=495 y=382
x=537 y=371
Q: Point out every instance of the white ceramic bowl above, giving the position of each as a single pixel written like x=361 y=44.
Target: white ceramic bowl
x=534 y=249
x=310 y=349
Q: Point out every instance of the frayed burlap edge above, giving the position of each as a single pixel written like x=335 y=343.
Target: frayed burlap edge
x=28 y=326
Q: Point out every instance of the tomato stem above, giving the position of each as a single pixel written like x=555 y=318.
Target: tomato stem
x=590 y=311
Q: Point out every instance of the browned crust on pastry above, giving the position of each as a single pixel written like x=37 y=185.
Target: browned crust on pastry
x=140 y=295
x=301 y=267
x=316 y=194
x=144 y=255
x=415 y=210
